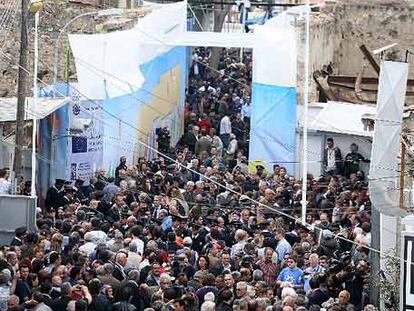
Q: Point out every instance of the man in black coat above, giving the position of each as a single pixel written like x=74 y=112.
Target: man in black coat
x=61 y=303
x=20 y=233
x=120 y=262
x=23 y=290
x=332 y=158
x=190 y=138
x=66 y=198
x=122 y=166
x=54 y=195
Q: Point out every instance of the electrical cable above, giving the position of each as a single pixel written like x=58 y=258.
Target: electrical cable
x=6 y=12
x=245 y=85
x=213 y=181
x=289 y=148
x=195 y=17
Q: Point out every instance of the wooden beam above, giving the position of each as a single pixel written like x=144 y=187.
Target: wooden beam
x=370 y=58
x=351 y=80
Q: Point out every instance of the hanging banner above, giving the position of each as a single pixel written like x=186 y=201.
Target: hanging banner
x=384 y=170
x=85 y=144
x=158 y=103
x=273 y=108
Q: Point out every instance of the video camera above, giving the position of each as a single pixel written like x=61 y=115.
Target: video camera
x=163 y=139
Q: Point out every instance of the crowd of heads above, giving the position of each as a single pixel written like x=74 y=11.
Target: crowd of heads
x=197 y=229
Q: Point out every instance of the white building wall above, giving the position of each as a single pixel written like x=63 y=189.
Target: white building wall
x=317 y=143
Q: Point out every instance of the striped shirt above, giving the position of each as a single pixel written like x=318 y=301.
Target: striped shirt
x=270 y=271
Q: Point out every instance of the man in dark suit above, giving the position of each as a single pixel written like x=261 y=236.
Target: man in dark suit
x=119 y=272
x=20 y=233
x=67 y=198
x=23 y=290
x=62 y=302
x=122 y=166
x=332 y=158
x=190 y=138
x=78 y=191
x=54 y=195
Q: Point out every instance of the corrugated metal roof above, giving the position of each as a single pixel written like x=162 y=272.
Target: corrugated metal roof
x=42 y=108
x=340 y=117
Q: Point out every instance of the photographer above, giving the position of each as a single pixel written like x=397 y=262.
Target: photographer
x=180 y=265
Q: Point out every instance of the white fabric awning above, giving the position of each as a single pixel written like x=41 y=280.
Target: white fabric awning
x=40 y=110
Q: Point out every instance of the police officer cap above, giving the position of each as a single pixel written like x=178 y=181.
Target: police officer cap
x=260 y=167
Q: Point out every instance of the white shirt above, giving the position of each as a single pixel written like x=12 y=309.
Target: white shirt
x=232 y=147
x=140 y=245
x=209 y=89
x=331 y=163
x=99 y=236
x=143 y=264
x=245 y=111
x=134 y=260
x=87 y=248
x=5 y=186
x=216 y=142
x=225 y=125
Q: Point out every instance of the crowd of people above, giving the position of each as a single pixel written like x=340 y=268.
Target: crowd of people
x=198 y=230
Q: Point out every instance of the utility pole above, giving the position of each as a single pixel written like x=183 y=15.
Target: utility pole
x=22 y=90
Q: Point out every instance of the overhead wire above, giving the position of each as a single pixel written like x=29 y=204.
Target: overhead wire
x=287 y=147
x=94 y=70
x=7 y=15
x=6 y=12
x=230 y=190
x=195 y=17
x=248 y=86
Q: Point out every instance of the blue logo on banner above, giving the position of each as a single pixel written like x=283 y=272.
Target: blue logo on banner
x=79 y=144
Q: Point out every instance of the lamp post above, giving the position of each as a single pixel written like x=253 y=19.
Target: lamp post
x=35 y=6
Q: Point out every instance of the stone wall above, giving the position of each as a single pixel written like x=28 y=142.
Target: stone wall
x=341 y=27
x=53 y=18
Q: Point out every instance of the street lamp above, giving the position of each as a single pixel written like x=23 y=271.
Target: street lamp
x=108 y=12
x=34 y=7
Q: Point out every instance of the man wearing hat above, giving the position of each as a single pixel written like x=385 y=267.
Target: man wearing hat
x=260 y=170
x=54 y=195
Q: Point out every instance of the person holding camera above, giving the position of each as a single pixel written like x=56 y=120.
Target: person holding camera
x=309 y=272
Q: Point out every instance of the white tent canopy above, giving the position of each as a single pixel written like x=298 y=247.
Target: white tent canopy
x=108 y=65
x=40 y=110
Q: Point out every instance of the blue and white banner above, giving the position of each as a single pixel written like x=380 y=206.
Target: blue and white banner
x=272 y=134
x=273 y=108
